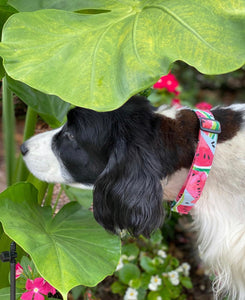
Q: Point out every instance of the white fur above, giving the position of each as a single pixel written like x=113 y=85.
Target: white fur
x=219 y=216
x=167 y=111
x=41 y=160
x=44 y=164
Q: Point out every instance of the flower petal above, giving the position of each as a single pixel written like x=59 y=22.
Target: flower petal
x=48 y=288
x=38 y=296
x=39 y=282
x=29 y=284
x=27 y=296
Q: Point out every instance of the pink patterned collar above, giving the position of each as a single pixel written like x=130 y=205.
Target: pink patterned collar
x=192 y=189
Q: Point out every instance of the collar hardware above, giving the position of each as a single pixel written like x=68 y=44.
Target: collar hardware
x=207 y=140
x=209 y=125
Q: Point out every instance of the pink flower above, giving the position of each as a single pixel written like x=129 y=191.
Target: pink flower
x=204 y=106
x=18 y=270
x=168 y=82
x=176 y=103
x=36 y=289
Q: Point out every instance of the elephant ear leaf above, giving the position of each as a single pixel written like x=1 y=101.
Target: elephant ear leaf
x=69 y=249
x=99 y=60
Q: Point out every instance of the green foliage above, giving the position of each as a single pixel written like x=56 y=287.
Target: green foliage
x=96 y=54
x=150 y=272
x=5 y=293
x=51 y=108
x=74 y=56
x=71 y=240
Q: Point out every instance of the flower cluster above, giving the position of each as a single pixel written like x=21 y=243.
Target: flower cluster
x=35 y=288
x=168 y=91
x=147 y=271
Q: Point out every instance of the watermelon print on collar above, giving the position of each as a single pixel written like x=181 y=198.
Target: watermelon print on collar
x=201 y=165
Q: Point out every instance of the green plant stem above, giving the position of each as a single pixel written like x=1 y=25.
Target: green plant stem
x=8 y=132
x=57 y=200
x=49 y=195
x=30 y=125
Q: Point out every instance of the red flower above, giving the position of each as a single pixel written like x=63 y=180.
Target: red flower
x=18 y=270
x=176 y=103
x=204 y=106
x=168 y=82
x=36 y=289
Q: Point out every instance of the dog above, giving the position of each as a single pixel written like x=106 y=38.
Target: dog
x=137 y=156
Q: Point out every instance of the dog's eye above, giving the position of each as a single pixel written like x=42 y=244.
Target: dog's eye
x=69 y=135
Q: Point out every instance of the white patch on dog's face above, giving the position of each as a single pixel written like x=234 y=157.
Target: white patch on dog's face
x=41 y=160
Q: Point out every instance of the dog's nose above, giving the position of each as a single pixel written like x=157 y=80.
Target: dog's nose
x=24 y=149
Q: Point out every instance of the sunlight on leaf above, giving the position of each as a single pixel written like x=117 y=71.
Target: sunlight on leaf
x=99 y=61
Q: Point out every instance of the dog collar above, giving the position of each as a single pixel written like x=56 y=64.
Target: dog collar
x=207 y=140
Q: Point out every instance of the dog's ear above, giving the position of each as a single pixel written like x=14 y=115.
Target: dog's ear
x=128 y=194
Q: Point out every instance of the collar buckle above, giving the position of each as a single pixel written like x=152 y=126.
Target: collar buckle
x=209 y=125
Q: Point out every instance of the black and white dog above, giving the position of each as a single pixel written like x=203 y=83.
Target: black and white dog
x=136 y=156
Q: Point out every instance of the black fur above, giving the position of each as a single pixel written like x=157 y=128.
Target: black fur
x=117 y=152
x=126 y=153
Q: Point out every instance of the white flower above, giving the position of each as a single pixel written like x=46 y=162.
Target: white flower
x=120 y=264
x=162 y=253
x=174 y=277
x=131 y=257
x=159 y=298
x=180 y=269
x=186 y=269
x=131 y=294
x=154 y=283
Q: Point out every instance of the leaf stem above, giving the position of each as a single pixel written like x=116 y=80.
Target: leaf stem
x=57 y=200
x=8 y=132
x=30 y=125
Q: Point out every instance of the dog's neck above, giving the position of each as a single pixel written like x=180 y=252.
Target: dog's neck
x=179 y=138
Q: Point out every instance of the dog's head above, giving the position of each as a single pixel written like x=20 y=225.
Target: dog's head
x=116 y=153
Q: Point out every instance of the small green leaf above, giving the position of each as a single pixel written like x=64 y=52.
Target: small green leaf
x=153 y=296
x=128 y=272
x=145 y=280
x=135 y=283
x=156 y=238
x=186 y=282
x=130 y=250
x=147 y=264
x=118 y=288
x=141 y=293
x=165 y=294
x=71 y=240
x=83 y=197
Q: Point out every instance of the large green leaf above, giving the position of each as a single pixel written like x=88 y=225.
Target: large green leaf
x=69 y=249
x=74 y=5
x=52 y=109
x=99 y=61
